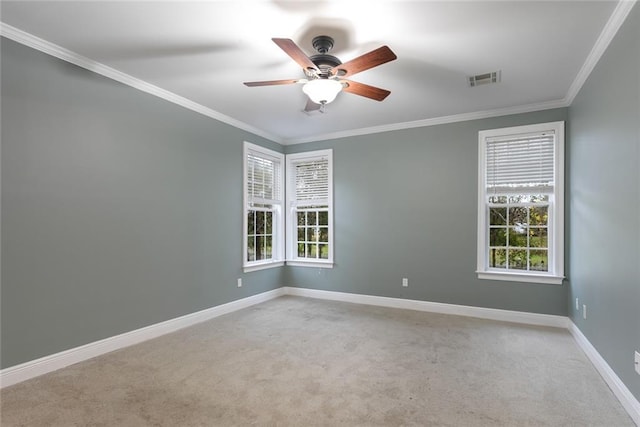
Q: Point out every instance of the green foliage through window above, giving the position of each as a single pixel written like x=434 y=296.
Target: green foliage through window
x=313 y=233
x=518 y=232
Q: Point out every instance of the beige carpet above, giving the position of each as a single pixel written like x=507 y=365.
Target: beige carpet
x=306 y=362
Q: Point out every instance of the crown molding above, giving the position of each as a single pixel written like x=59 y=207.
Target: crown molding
x=609 y=31
x=67 y=55
x=432 y=122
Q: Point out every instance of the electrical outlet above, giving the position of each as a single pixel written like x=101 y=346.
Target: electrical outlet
x=577 y=305
x=637 y=362
x=239 y=282
x=584 y=311
x=405 y=282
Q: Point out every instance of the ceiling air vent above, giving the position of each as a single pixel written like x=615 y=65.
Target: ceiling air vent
x=485 y=79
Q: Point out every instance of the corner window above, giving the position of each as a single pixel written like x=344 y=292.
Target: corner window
x=520 y=204
x=263 y=208
x=310 y=209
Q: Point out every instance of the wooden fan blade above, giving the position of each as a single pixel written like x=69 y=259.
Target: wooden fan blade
x=295 y=53
x=367 y=91
x=369 y=60
x=271 y=83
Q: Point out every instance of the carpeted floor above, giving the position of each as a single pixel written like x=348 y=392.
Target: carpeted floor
x=305 y=362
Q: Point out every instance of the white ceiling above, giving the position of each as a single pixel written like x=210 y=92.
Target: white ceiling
x=204 y=51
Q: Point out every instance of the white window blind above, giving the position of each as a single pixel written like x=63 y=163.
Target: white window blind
x=520 y=163
x=263 y=178
x=311 y=182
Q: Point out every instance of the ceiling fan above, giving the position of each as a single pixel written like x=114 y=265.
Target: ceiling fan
x=325 y=74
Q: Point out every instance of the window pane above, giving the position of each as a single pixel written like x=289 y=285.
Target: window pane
x=517 y=215
x=311 y=234
x=251 y=252
x=301 y=220
x=538 y=238
x=538 y=215
x=259 y=222
x=324 y=234
x=301 y=250
x=518 y=259
x=518 y=237
x=311 y=218
x=498 y=258
x=312 y=250
x=251 y=222
x=260 y=252
x=269 y=247
x=538 y=260
x=498 y=216
x=497 y=236
x=323 y=218
x=324 y=251
x=301 y=232
x=268 y=216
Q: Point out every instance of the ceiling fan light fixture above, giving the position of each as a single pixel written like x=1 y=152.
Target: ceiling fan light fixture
x=322 y=91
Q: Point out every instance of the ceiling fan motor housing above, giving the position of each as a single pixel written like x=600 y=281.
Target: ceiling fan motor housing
x=322 y=60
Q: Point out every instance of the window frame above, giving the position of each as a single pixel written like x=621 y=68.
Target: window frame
x=292 y=257
x=555 y=224
x=277 y=209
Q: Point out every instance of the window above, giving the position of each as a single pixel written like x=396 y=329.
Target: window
x=309 y=209
x=263 y=208
x=520 y=203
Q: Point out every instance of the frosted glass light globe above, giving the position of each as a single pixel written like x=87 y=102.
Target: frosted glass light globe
x=322 y=91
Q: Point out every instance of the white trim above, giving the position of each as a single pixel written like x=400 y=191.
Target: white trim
x=609 y=31
x=60 y=52
x=622 y=393
x=435 y=307
x=317 y=264
x=520 y=277
x=53 y=362
x=52 y=49
x=628 y=401
x=264 y=266
x=44 y=365
x=464 y=117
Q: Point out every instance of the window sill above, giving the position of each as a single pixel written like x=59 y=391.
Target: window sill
x=546 y=279
x=262 y=266
x=316 y=264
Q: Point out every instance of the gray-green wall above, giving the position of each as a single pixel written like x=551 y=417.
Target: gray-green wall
x=406 y=206
x=119 y=209
x=604 y=210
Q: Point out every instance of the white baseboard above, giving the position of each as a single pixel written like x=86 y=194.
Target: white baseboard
x=436 y=307
x=628 y=401
x=34 y=368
